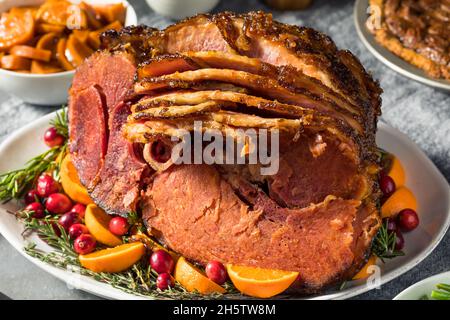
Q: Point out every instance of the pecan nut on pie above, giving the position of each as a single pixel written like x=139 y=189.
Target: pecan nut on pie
x=416 y=30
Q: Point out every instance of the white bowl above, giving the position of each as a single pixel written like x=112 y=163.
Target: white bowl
x=180 y=9
x=45 y=89
x=424 y=287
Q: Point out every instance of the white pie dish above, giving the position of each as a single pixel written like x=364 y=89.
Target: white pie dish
x=45 y=89
x=423 y=178
x=360 y=14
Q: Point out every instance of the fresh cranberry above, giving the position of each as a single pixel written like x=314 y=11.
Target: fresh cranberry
x=391 y=225
x=164 y=281
x=387 y=186
x=68 y=219
x=77 y=230
x=119 y=226
x=52 y=138
x=58 y=203
x=46 y=185
x=37 y=208
x=80 y=209
x=161 y=262
x=408 y=220
x=216 y=272
x=31 y=196
x=160 y=151
x=84 y=244
x=399 y=240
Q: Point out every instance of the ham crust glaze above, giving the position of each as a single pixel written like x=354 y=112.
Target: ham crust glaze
x=317 y=214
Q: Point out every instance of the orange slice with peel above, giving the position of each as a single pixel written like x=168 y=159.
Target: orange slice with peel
x=192 y=279
x=115 y=259
x=364 y=272
x=401 y=199
x=71 y=183
x=396 y=172
x=259 y=282
x=97 y=222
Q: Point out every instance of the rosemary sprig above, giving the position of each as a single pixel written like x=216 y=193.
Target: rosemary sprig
x=13 y=184
x=384 y=243
x=139 y=280
x=61 y=122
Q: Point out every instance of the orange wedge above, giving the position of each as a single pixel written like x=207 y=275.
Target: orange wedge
x=396 y=172
x=401 y=199
x=192 y=279
x=260 y=283
x=364 y=272
x=97 y=222
x=71 y=183
x=115 y=259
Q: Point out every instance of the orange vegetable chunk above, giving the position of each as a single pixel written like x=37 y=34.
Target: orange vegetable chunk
x=32 y=53
x=16 y=28
x=43 y=28
x=12 y=62
x=113 y=12
x=44 y=67
x=93 y=18
x=61 y=54
x=77 y=51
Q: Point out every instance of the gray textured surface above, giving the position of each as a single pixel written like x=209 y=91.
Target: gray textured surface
x=421 y=112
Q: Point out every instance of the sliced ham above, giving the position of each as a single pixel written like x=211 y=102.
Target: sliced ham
x=262 y=85
x=316 y=215
x=121 y=175
x=88 y=133
x=261 y=235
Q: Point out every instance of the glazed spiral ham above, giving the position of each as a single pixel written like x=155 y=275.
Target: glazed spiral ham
x=316 y=215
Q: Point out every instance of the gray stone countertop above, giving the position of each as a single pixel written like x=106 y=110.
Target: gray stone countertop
x=421 y=112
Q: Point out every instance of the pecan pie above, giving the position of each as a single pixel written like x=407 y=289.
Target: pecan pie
x=416 y=30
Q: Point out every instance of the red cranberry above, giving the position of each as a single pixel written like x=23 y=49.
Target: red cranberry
x=161 y=262
x=31 y=196
x=52 y=138
x=164 y=281
x=160 y=151
x=391 y=225
x=77 y=230
x=84 y=244
x=399 y=240
x=37 y=208
x=408 y=220
x=58 y=203
x=216 y=272
x=68 y=219
x=119 y=226
x=46 y=185
x=387 y=186
x=80 y=209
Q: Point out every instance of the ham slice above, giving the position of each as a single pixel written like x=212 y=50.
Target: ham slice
x=262 y=85
x=88 y=133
